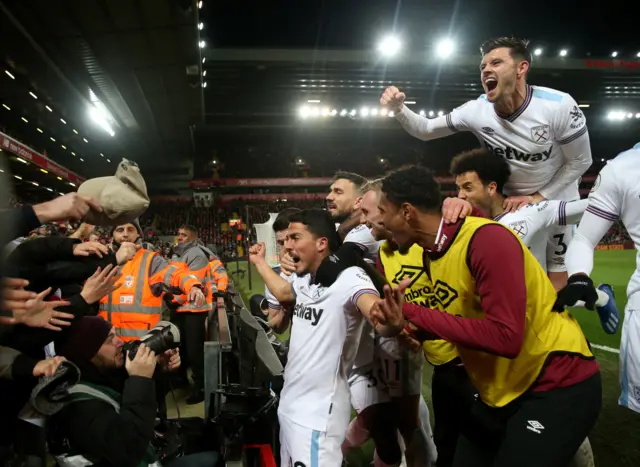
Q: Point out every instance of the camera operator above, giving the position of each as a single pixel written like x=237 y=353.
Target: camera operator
x=110 y=416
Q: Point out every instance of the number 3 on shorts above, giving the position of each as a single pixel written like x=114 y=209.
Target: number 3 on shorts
x=561 y=245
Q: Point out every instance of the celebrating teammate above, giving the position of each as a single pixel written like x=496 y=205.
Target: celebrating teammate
x=539 y=385
x=615 y=195
x=327 y=324
x=481 y=177
x=541 y=132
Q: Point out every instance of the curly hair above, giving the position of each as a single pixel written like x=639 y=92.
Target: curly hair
x=415 y=185
x=488 y=166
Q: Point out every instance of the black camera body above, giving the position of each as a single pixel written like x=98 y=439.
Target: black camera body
x=164 y=336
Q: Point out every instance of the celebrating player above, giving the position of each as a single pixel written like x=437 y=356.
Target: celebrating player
x=327 y=323
x=614 y=196
x=539 y=385
x=481 y=177
x=451 y=391
x=541 y=132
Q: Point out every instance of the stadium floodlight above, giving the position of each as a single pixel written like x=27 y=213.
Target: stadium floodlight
x=109 y=161
x=364 y=112
x=47 y=188
x=9 y=74
x=63 y=121
x=614 y=54
x=431 y=114
x=21 y=160
x=584 y=105
x=33 y=95
x=59 y=178
x=48 y=108
x=445 y=48
x=63 y=146
x=85 y=140
x=315 y=111
x=374 y=112
x=52 y=139
x=25 y=120
x=563 y=52
x=353 y=112
x=391 y=114
x=35 y=184
x=204 y=73
x=325 y=111
x=313 y=101
x=75 y=131
x=629 y=115
x=102 y=155
x=39 y=130
x=18 y=177
x=204 y=59
x=202 y=44
x=440 y=113
x=343 y=112
x=409 y=102
x=101 y=116
x=638 y=115
x=200 y=5
x=304 y=111
x=422 y=113
x=615 y=115
x=44 y=171
x=537 y=52
x=204 y=85
x=334 y=112
x=73 y=153
x=389 y=46
x=81 y=159
x=6 y=106
x=72 y=184
x=201 y=26
x=383 y=112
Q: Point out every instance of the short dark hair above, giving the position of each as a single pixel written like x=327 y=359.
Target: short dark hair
x=320 y=224
x=282 y=220
x=413 y=184
x=488 y=166
x=358 y=180
x=191 y=228
x=518 y=48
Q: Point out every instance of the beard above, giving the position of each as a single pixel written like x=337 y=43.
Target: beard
x=340 y=217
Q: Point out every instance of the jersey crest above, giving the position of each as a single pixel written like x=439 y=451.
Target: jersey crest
x=520 y=228
x=540 y=134
x=128 y=282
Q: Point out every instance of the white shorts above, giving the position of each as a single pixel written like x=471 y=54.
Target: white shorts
x=306 y=447
x=400 y=370
x=557 y=243
x=630 y=359
x=365 y=388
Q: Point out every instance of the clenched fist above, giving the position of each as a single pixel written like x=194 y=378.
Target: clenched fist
x=257 y=253
x=393 y=98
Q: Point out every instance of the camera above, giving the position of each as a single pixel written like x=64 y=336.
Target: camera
x=164 y=336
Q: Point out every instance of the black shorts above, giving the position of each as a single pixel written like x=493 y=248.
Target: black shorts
x=537 y=429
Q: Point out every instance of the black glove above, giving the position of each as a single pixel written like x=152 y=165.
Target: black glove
x=579 y=287
x=348 y=255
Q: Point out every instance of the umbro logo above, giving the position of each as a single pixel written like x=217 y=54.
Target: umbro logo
x=487 y=130
x=535 y=426
x=408 y=272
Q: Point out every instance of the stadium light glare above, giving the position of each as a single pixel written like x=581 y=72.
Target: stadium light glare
x=383 y=112
x=204 y=85
x=409 y=102
x=431 y=114
x=638 y=115
x=343 y=112
x=81 y=159
x=18 y=177
x=200 y=5
x=102 y=155
x=374 y=112
x=202 y=44
x=537 y=52
x=391 y=114
x=353 y=112
x=315 y=111
x=334 y=112
x=72 y=184
x=364 y=112
x=629 y=115
x=75 y=131
x=614 y=54
x=108 y=160
x=440 y=113
x=44 y=171
x=204 y=73
x=34 y=183
x=201 y=26
x=101 y=117
x=445 y=48
x=52 y=139
x=47 y=188
x=33 y=95
x=63 y=146
x=62 y=120
x=73 y=153
x=422 y=113
x=9 y=74
x=563 y=52
x=59 y=178
x=48 y=108
x=313 y=101
x=25 y=120
x=6 y=106
x=389 y=46
x=584 y=105
x=21 y=160
x=39 y=130
x=615 y=115
x=325 y=111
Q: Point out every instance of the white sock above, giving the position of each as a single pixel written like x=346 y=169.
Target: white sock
x=424 y=417
x=356 y=436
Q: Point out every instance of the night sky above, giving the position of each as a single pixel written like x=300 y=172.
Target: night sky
x=583 y=27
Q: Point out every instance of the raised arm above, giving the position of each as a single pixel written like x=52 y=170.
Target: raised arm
x=280 y=288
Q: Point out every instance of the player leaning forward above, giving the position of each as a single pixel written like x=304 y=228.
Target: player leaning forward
x=539 y=385
x=327 y=323
x=541 y=132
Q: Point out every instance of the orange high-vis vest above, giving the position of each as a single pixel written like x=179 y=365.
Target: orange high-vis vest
x=219 y=275
x=132 y=308
x=203 y=275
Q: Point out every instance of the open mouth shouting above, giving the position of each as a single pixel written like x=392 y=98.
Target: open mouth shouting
x=490 y=84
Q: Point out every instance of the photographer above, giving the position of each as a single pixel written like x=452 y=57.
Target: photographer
x=110 y=417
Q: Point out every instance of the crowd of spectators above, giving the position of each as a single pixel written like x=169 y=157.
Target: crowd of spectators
x=616 y=235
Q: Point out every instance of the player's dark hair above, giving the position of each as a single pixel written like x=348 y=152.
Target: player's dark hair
x=320 y=223
x=282 y=220
x=518 y=48
x=358 y=180
x=415 y=185
x=191 y=228
x=488 y=166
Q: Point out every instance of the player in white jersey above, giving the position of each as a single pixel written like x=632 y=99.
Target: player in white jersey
x=327 y=323
x=481 y=176
x=541 y=133
x=615 y=195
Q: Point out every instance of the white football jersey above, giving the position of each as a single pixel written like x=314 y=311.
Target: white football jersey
x=616 y=195
x=531 y=139
x=326 y=330
x=532 y=223
x=361 y=235
x=271 y=299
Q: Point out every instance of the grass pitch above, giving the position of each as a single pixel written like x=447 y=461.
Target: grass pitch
x=616 y=437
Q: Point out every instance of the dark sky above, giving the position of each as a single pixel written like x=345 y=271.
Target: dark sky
x=581 y=26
